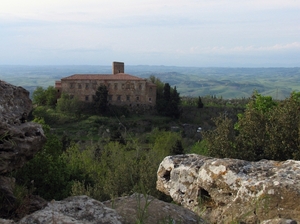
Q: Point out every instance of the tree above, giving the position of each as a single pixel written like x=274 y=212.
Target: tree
x=199 y=103
x=177 y=149
x=266 y=130
x=39 y=96
x=51 y=96
x=100 y=99
x=167 y=92
x=44 y=97
x=69 y=105
x=167 y=102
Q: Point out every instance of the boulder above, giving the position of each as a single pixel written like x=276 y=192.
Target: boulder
x=140 y=208
x=75 y=210
x=232 y=190
x=136 y=208
x=15 y=103
x=19 y=139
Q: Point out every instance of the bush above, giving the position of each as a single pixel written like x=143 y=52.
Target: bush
x=266 y=130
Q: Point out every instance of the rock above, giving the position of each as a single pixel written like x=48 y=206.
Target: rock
x=19 y=139
x=7 y=185
x=77 y=209
x=30 y=204
x=139 y=208
x=18 y=144
x=279 y=221
x=6 y=221
x=232 y=190
x=15 y=103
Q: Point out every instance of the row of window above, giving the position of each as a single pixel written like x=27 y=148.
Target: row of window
x=116 y=86
x=119 y=98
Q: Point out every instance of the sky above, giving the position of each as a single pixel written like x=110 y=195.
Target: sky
x=200 y=33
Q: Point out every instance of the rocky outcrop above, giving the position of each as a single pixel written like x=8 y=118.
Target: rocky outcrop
x=15 y=103
x=136 y=208
x=231 y=190
x=77 y=210
x=19 y=139
x=139 y=208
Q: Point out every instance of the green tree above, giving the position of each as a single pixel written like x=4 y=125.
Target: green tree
x=167 y=102
x=51 y=96
x=177 y=148
x=199 y=103
x=283 y=130
x=47 y=172
x=39 y=96
x=220 y=142
x=44 y=97
x=167 y=92
x=68 y=105
x=266 y=130
x=100 y=99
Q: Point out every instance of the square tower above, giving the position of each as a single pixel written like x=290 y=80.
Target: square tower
x=118 y=67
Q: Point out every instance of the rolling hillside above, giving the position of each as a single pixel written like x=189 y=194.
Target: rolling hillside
x=190 y=81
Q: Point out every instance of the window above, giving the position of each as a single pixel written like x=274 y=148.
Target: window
x=127 y=85
x=71 y=85
x=116 y=85
x=79 y=86
x=86 y=86
x=123 y=86
x=140 y=86
x=86 y=98
x=137 y=98
x=119 y=98
x=150 y=89
x=128 y=98
x=150 y=100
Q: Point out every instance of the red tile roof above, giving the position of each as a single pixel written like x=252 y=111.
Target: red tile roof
x=119 y=76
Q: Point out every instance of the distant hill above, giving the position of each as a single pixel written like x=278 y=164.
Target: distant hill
x=190 y=81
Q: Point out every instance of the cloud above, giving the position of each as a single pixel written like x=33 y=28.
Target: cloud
x=183 y=28
x=295 y=46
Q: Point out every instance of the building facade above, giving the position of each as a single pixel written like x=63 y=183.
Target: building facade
x=123 y=89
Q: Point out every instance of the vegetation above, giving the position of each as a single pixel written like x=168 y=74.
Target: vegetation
x=106 y=157
x=167 y=99
x=68 y=105
x=103 y=166
x=266 y=130
x=44 y=97
x=100 y=99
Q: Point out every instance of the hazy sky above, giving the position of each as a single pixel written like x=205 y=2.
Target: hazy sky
x=234 y=33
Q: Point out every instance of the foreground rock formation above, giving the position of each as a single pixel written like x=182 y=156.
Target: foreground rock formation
x=136 y=208
x=231 y=190
x=19 y=139
x=139 y=208
x=78 y=209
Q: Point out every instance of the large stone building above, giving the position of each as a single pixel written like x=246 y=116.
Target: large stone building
x=123 y=89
